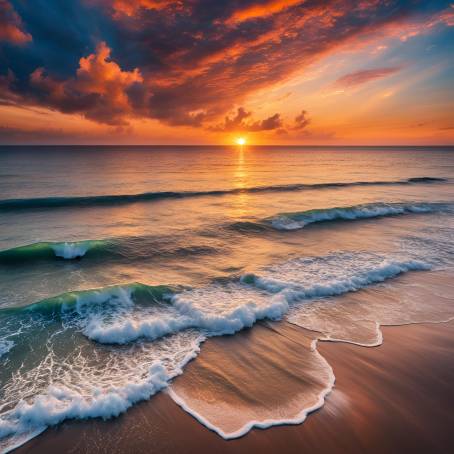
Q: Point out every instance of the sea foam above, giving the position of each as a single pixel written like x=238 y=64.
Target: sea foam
x=5 y=346
x=225 y=309
x=61 y=403
x=70 y=250
x=125 y=314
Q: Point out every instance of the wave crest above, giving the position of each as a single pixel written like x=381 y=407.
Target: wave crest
x=298 y=220
x=225 y=309
x=48 y=250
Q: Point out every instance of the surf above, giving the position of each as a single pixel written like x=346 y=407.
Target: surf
x=140 y=316
x=299 y=220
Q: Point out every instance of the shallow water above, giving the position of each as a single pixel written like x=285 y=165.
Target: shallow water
x=117 y=262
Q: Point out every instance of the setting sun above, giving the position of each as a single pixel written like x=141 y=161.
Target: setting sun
x=240 y=141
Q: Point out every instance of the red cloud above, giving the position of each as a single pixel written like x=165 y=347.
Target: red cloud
x=11 y=25
x=361 y=77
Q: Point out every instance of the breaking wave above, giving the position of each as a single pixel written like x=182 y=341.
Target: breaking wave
x=161 y=326
x=5 y=346
x=123 y=314
x=51 y=250
x=117 y=199
x=298 y=220
x=124 y=248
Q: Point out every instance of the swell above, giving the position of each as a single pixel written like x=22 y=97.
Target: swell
x=298 y=220
x=118 y=199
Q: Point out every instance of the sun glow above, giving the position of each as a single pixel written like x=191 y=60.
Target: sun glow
x=240 y=141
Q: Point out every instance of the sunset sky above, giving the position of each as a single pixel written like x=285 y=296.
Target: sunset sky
x=209 y=71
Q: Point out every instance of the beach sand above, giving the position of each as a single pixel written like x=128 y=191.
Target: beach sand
x=388 y=399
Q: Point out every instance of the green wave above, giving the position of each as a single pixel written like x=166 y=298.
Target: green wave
x=53 y=250
x=67 y=302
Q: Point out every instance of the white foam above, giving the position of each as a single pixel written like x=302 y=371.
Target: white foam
x=337 y=285
x=89 y=399
x=299 y=220
x=226 y=309
x=70 y=250
x=5 y=346
x=236 y=307
x=60 y=403
x=112 y=316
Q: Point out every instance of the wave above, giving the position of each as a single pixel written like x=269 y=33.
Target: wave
x=125 y=314
x=121 y=314
x=225 y=309
x=60 y=403
x=80 y=300
x=295 y=291
x=298 y=220
x=426 y=180
x=50 y=250
x=117 y=199
x=124 y=248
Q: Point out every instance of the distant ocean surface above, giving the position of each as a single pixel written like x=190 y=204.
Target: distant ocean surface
x=116 y=263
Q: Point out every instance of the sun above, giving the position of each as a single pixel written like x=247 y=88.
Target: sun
x=240 y=141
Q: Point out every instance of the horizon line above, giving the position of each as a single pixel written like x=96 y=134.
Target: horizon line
x=227 y=145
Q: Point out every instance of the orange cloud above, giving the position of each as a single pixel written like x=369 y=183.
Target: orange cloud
x=99 y=90
x=130 y=8
x=11 y=29
x=265 y=9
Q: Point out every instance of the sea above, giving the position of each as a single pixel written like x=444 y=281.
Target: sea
x=117 y=263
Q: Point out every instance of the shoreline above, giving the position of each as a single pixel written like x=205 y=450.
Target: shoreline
x=389 y=398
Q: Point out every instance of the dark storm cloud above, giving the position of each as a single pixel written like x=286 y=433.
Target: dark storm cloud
x=181 y=62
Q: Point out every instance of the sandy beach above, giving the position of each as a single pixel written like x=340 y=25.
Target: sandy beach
x=391 y=398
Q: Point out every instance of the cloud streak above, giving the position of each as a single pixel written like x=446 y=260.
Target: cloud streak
x=362 y=77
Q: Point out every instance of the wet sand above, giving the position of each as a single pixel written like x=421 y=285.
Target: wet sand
x=393 y=398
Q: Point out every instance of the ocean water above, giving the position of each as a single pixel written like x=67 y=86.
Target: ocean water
x=116 y=263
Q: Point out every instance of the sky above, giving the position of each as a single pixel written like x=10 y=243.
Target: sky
x=210 y=71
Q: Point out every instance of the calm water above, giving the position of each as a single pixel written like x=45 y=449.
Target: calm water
x=116 y=262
